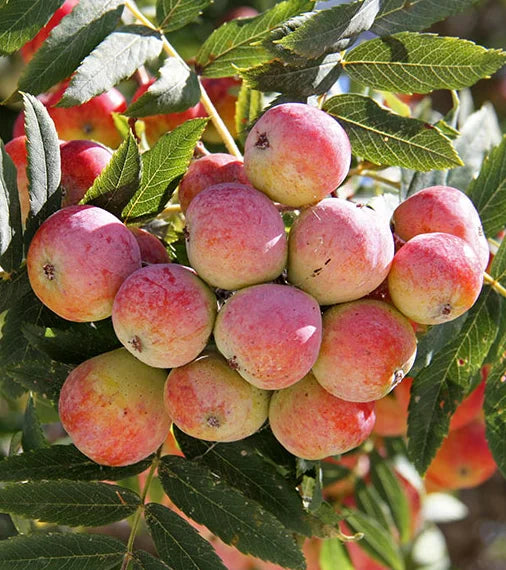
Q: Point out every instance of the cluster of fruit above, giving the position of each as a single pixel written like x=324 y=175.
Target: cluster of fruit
x=275 y=357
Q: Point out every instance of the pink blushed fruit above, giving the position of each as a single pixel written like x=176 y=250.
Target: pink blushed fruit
x=442 y=209
x=164 y=314
x=367 y=349
x=223 y=92
x=312 y=424
x=339 y=251
x=297 y=154
x=208 y=400
x=435 y=278
x=392 y=411
x=112 y=408
x=152 y=249
x=270 y=334
x=77 y=260
x=16 y=149
x=235 y=236
x=209 y=170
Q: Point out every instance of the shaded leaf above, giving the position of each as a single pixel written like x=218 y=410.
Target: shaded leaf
x=58 y=460
x=117 y=57
x=415 y=15
x=333 y=29
x=21 y=20
x=69 y=43
x=382 y=137
x=174 y=14
x=237 y=44
x=488 y=191
x=40 y=375
x=55 y=551
x=227 y=513
x=176 y=89
x=162 y=165
x=119 y=180
x=73 y=503
x=11 y=233
x=33 y=436
x=249 y=106
x=410 y=62
x=14 y=288
x=178 y=543
x=145 y=561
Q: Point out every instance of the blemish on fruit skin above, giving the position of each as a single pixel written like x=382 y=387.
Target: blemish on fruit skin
x=136 y=343
x=262 y=141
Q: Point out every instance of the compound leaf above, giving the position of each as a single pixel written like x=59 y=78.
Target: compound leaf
x=174 y=14
x=33 y=436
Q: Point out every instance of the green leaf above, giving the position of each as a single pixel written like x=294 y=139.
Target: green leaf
x=240 y=465
x=11 y=233
x=73 y=503
x=333 y=555
x=415 y=15
x=33 y=436
x=60 y=461
x=145 y=561
x=178 y=543
x=117 y=57
x=43 y=164
x=227 y=513
x=390 y=490
x=176 y=90
x=14 y=288
x=40 y=375
x=69 y=43
x=382 y=137
x=119 y=180
x=488 y=191
x=332 y=30
x=237 y=44
x=21 y=20
x=174 y=14
x=370 y=502
x=439 y=388
x=55 y=551
x=410 y=62
x=377 y=542
x=162 y=165
x=314 y=77
x=249 y=105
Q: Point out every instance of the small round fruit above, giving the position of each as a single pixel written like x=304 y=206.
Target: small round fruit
x=16 y=149
x=312 y=424
x=152 y=249
x=339 y=251
x=470 y=408
x=392 y=411
x=235 y=236
x=435 y=278
x=77 y=260
x=164 y=314
x=297 y=154
x=112 y=408
x=367 y=349
x=208 y=400
x=270 y=334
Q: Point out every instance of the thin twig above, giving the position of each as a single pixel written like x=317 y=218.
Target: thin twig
x=496 y=286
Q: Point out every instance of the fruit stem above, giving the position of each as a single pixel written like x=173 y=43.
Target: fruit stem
x=140 y=510
x=220 y=126
x=496 y=286
x=169 y=210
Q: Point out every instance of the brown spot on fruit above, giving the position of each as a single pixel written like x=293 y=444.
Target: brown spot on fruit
x=136 y=343
x=262 y=141
x=213 y=421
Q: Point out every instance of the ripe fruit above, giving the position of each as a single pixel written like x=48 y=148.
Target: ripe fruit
x=296 y=154
x=16 y=149
x=77 y=260
x=112 y=408
x=339 y=251
x=464 y=460
x=152 y=249
x=81 y=162
x=392 y=411
x=435 y=278
x=209 y=170
x=164 y=314
x=209 y=400
x=270 y=334
x=235 y=236
x=470 y=407
x=312 y=423
x=442 y=209
x=367 y=349
x=223 y=92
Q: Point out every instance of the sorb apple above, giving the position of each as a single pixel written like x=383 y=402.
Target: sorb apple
x=207 y=399
x=152 y=249
x=312 y=423
x=16 y=149
x=367 y=349
x=235 y=236
x=77 y=260
x=223 y=92
x=442 y=209
x=164 y=314
x=297 y=154
x=339 y=251
x=270 y=334
x=435 y=278
x=112 y=408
